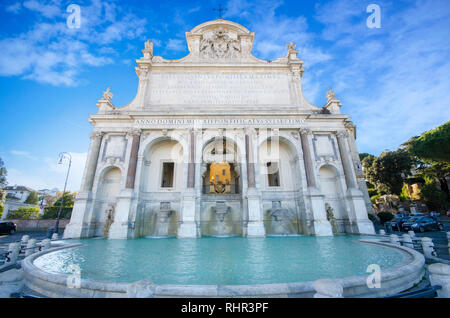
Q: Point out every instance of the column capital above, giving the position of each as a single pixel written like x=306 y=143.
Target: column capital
x=96 y=134
x=305 y=131
x=134 y=132
x=342 y=133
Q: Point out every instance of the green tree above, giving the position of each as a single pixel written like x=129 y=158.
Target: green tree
x=388 y=171
x=67 y=202
x=32 y=198
x=433 y=145
x=3 y=174
x=51 y=212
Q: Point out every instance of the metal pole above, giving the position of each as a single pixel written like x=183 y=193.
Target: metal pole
x=65 y=185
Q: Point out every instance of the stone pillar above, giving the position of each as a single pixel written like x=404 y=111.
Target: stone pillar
x=31 y=246
x=355 y=198
x=428 y=247
x=307 y=158
x=350 y=177
x=132 y=164
x=320 y=224
x=79 y=226
x=120 y=228
x=407 y=241
x=188 y=227
x=255 y=225
x=382 y=232
x=91 y=162
x=14 y=251
x=440 y=276
x=191 y=165
x=393 y=238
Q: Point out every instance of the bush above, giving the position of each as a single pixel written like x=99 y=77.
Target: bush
x=372 y=218
x=385 y=216
x=24 y=213
x=374 y=197
x=52 y=212
x=372 y=192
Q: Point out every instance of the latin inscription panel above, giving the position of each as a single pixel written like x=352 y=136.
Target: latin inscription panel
x=219 y=89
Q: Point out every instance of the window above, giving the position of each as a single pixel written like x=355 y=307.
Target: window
x=273 y=174
x=167 y=174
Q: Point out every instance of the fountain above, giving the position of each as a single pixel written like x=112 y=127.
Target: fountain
x=109 y=219
x=221 y=210
x=331 y=218
x=162 y=221
x=280 y=220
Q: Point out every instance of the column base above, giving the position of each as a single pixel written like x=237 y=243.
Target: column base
x=320 y=225
x=256 y=229
x=322 y=228
x=118 y=231
x=79 y=226
x=187 y=230
x=361 y=223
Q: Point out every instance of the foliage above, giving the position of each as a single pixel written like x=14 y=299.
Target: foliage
x=3 y=173
x=364 y=155
x=1 y=209
x=51 y=212
x=372 y=192
x=385 y=216
x=67 y=202
x=372 y=218
x=374 y=198
x=388 y=171
x=32 y=198
x=24 y=213
x=435 y=199
x=432 y=145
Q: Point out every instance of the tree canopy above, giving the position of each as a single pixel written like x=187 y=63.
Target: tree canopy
x=432 y=145
x=3 y=174
x=32 y=198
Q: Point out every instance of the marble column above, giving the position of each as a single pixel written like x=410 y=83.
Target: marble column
x=122 y=227
x=250 y=162
x=92 y=160
x=359 y=222
x=320 y=226
x=79 y=225
x=309 y=169
x=350 y=177
x=187 y=227
x=255 y=225
x=191 y=164
x=132 y=164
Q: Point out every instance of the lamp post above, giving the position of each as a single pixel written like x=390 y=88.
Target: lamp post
x=61 y=157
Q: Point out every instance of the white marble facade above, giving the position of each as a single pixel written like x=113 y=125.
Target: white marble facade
x=294 y=166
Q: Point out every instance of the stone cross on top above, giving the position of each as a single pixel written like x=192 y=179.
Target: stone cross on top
x=220 y=10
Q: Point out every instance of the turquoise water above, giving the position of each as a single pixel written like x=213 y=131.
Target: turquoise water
x=231 y=261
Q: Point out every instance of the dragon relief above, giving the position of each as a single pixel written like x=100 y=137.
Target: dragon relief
x=220 y=46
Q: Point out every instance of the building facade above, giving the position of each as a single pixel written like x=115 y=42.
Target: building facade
x=220 y=143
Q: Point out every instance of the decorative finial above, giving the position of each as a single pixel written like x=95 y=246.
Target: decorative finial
x=220 y=10
x=330 y=95
x=107 y=95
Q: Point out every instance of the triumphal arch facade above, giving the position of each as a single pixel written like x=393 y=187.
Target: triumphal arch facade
x=220 y=143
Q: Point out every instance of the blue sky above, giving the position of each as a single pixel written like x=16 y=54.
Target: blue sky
x=393 y=81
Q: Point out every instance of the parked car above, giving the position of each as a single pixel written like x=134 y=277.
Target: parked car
x=7 y=227
x=397 y=222
x=422 y=224
x=435 y=214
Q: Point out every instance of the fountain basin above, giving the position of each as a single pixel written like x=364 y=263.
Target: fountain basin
x=205 y=270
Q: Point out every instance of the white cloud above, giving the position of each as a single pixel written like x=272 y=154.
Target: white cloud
x=48 y=9
x=53 y=54
x=24 y=154
x=14 y=8
x=176 y=45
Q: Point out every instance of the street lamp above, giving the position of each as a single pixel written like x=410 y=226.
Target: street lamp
x=61 y=157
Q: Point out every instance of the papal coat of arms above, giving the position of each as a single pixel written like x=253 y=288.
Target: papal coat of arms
x=219 y=46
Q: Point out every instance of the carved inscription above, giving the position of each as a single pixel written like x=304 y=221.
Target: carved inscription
x=219 y=89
